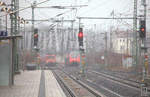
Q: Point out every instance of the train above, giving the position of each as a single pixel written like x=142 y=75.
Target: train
x=72 y=59
x=50 y=60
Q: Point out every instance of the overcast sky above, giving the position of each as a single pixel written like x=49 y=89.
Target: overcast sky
x=95 y=8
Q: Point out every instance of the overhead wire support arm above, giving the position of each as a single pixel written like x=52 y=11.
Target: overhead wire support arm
x=60 y=7
x=52 y=20
x=36 y=20
x=106 y=18
x=64 y=20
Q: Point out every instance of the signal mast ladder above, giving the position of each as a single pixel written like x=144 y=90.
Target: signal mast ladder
x=144 y=92
x=144 y=87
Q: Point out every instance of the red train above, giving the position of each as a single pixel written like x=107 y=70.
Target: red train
x=72 y=59
x=50 y=60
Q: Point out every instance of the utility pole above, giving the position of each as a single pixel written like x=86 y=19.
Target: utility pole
x=105 y=53
x=144 y=41
x=127 y=42
x=57 y=35
x=54 y=41
x=33 y=7
x=111 y=33
x=72 y=33
x=69 y=37
x=14 y=32
x=14 y=19
x=51 y=35
x=62 y=37
x=145 y=78
x=135 y=47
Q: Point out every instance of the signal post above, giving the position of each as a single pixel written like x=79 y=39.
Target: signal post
x=142 y=33
x=82 y=50
x=36 y=47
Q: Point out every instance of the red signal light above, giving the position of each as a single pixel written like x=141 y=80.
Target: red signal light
x=80 y=35
x=35 y=35
x=142 y=29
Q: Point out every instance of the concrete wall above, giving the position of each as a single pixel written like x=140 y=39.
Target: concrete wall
x=5 y=64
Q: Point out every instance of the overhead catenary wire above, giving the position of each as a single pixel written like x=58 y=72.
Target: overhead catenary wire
x=25 y=8
x=93 y=8
x=56 y=16
x=98 y=5
x=50 y=28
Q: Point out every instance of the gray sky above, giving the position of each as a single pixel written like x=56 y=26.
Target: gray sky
x=95 y=8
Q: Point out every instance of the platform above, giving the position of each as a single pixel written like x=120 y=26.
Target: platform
x=33 y=84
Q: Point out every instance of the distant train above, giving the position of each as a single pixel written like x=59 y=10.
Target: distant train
x=72 y=59
x=50 y=60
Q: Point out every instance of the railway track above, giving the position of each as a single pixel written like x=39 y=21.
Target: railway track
x=107 y=85
x=75 y=87
x=130 y=83
x=111 y=87
x=65 y=87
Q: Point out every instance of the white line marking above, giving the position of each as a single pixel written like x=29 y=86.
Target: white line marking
x=111 y=91
x=89 y=80
x=117 y=81
x=106 y=89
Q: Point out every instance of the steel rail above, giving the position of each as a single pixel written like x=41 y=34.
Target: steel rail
x=117 y=80
x=91 y=90
x=72 y=94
